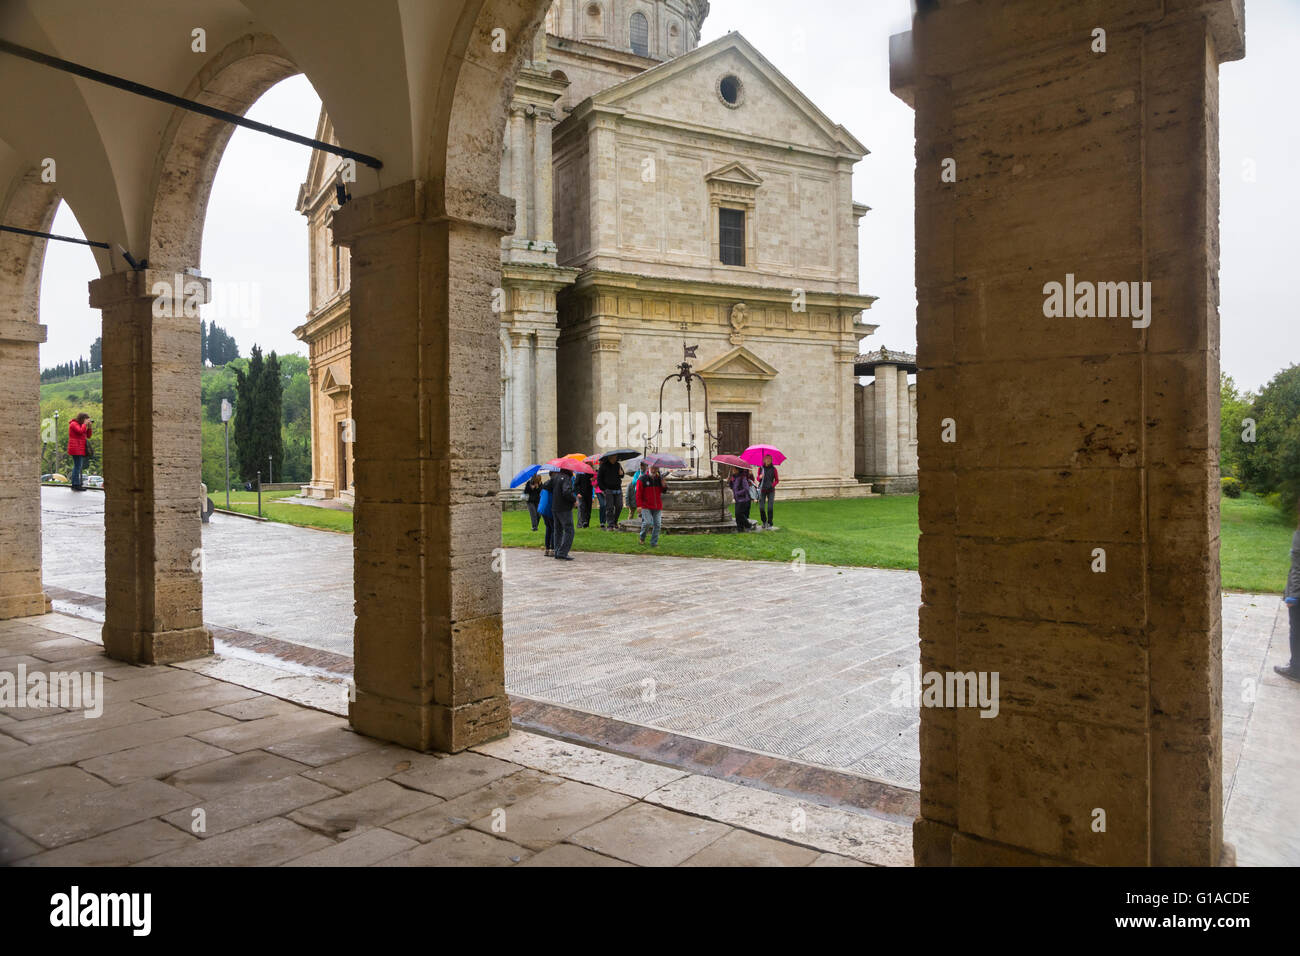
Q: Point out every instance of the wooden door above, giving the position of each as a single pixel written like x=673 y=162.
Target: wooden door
x=733 y=432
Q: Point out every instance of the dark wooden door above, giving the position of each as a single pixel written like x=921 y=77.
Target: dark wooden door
x=733 y=432
x=342 y=457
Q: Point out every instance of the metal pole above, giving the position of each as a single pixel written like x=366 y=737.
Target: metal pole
x=108 y=79
x=259 y=494
x=270 y=472
x=227 y=424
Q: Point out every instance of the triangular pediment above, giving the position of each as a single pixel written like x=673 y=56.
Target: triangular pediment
x=782 y=107
x=739 y=363
x=335 y=378
x=737 y=173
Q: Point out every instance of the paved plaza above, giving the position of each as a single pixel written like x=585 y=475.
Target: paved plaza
x=808 y=665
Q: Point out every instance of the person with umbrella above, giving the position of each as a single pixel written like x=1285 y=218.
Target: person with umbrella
x=563 y=498
x=609 y=479
x=533 y=495
x=742 y=490
x=767 y=458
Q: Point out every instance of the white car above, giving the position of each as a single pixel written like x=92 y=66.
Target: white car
x=92 y=481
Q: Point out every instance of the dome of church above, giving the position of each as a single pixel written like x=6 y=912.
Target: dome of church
x=656 y=29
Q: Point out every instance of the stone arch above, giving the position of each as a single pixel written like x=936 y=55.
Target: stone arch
x=31 y=204
x=193 y=145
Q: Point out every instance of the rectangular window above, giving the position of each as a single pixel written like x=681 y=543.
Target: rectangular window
x=731 y=236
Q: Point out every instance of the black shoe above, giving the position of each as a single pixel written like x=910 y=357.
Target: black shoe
x=565 y=557
x=1289 y=672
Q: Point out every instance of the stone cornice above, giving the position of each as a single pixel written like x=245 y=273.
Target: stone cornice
x=597 y=280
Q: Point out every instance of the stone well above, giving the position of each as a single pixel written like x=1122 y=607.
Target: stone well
x=692 y=506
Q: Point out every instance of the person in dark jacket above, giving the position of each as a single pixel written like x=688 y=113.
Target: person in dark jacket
x=742 y=490
x=767 y=482
x=544 y=509
x=1291 y=597
x=532 y=495
x=79 y=430
x=563 y=498
x=582 y=485
x=609 y=478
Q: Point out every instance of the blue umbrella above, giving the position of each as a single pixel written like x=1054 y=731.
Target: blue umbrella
x=524 y=475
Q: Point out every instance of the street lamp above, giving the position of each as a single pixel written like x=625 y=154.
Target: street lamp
x=56 y=441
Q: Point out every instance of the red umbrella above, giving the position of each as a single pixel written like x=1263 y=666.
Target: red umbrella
x=573 y=464
x=754 y=454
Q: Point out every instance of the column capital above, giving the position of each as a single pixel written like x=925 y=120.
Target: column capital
x=421 y=201
x=118 y=287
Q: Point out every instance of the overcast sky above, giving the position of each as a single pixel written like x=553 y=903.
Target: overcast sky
x=255 y=250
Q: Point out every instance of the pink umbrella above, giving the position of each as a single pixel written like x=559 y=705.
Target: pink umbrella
x=754 y=454
x=574 y=465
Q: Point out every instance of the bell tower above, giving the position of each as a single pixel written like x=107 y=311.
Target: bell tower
x=654 y=29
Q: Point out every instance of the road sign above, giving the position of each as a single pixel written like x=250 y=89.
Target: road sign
x=226 y=410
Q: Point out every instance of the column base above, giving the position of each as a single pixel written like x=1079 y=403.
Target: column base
x=24 y=605
x=161 y=647
x=430 y=726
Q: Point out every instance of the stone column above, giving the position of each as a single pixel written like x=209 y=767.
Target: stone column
x=885 y=388
x=430 y=671
x=21 y=592
x=844 y=386
x=521 y=359
x=1077 y=440
x=904 y=433
x=543 y=123
x=151 y=444
x=518 y=133
x=317 y=437
x=546 y=437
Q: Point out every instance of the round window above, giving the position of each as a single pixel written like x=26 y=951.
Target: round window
x=730 y=89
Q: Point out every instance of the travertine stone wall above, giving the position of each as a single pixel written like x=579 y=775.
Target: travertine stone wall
x=430 y=670
x=31 y=206
x=151 y=449
x=1071 y=434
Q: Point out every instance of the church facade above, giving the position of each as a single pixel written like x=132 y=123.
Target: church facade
x=669 y=196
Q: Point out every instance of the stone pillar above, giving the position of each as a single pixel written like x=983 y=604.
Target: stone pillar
x=518 y=133
x=606 y=385
x=318 y=438
x=1076 y=439
x=543 y=123
x=904 y=433
x=430 y=664
x=21 y=592
x=844 y=387
x=885 y=435
x=152 y=448
x=860 y=429
x=521 y=361
x=546 y=437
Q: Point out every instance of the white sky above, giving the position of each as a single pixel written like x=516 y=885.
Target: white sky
x=837 y=54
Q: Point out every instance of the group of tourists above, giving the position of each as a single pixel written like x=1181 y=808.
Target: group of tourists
x=552 y=498
x=746 y=488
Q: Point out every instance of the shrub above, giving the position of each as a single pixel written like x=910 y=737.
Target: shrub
x=1231 y=487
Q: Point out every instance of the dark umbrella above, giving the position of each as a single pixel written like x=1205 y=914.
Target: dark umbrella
x=622 y=454
x=735 y=461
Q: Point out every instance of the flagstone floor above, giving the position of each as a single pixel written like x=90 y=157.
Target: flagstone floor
x=180 y=769
x=806 y=665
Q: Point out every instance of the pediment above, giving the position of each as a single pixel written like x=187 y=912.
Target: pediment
x=735 y=173
x=335 y=379
x=741 y=364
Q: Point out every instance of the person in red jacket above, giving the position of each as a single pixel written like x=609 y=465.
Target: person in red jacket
x=650 y=500
x=78 y=433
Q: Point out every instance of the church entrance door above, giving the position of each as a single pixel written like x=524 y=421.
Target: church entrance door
x=733 y=432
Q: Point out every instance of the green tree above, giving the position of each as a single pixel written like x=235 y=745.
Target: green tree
x=1272 y=462
x=245 y=421
x=1234 y=408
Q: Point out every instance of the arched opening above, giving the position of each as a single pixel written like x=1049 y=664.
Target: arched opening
x=639 y=34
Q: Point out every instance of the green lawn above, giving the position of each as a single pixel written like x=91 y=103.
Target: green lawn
x=1254 y=545
x=304 y=516
x=864 y=532
x=876 y=532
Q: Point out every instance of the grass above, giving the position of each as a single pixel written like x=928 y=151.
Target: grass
x=873 y=532
x=1255 y=550
x=304 y=516
x=1254 y=545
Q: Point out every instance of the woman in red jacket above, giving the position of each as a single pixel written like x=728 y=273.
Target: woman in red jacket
x=78 y=433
